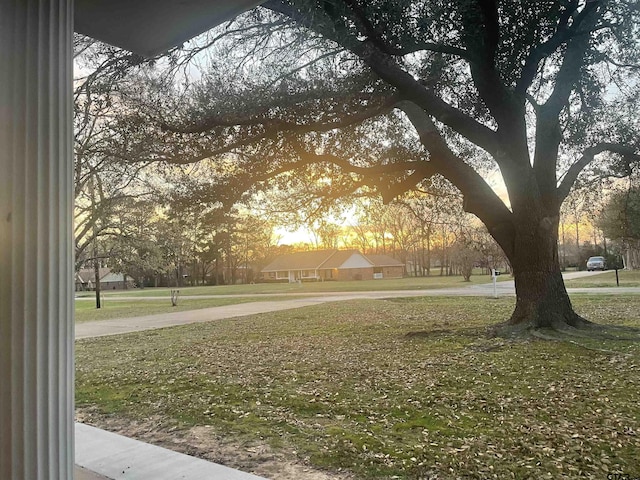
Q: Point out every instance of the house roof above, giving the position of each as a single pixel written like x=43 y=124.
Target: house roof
x=325 y=259
x=384 y=261
x=113 y=277
x=87 y=275
x=339 y=258
x=300 y=260
x=312 y=260
x=149 y=27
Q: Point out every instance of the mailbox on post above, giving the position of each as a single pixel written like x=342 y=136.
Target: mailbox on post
x=494 y=276
x=618 y=264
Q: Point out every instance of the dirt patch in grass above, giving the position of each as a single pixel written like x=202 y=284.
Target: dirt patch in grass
x=341 y=390
x=200 y=441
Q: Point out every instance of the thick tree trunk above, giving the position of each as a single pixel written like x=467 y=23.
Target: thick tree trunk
x=542 y=300
x=543 y=308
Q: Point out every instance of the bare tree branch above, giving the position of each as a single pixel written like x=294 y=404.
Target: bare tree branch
x=548 y=134
x=536 y=55
x=273 y=125
x=587 y=157
x=478 y=197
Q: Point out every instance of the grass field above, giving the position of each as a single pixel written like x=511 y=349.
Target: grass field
x=403 y=388
x=627 y=278
x=112 y=308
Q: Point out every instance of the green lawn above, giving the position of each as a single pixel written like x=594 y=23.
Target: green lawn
x=628 y=278
x=112 y=308
x=403 y=388
x=410 y=283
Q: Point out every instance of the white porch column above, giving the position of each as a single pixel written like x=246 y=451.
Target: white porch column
x=36 y=254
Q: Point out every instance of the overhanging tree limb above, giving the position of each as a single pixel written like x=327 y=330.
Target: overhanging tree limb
x=410 y=89
x=407 y=86
x=273 y=126
x=478 y=197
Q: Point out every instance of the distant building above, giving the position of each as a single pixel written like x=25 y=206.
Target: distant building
x=385 y=266
x=325 y=265
x=85 y=280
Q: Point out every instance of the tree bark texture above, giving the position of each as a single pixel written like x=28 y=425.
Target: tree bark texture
x=542 y=300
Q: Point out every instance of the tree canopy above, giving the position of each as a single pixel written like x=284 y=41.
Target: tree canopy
x=390 y=96
x=620 y=221
x=621 y=217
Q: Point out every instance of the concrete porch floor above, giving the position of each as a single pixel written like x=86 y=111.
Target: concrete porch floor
x=80 y=473
x=102 y=455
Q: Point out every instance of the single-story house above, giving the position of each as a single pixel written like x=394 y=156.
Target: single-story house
x=85 y=280
x=321 y=265
x=385 y=266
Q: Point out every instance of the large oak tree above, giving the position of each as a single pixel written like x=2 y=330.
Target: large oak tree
x=389 y=94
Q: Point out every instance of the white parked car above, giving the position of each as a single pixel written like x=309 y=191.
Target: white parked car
x=596 y=263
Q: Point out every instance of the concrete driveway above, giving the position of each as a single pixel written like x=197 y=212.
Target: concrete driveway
x=135 y=324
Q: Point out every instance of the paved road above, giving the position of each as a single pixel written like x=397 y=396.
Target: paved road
x=134 y=324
